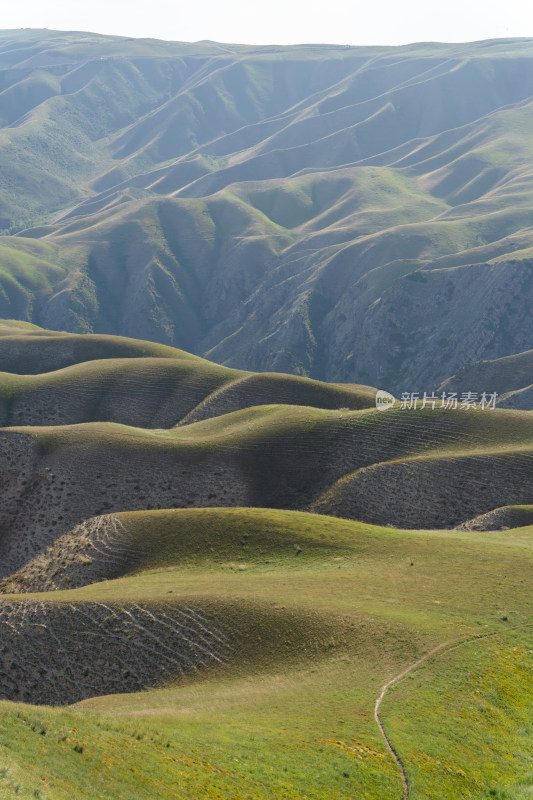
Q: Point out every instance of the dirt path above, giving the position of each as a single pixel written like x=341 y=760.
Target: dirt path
x=450 y=643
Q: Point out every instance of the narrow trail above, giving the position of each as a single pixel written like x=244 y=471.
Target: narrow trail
x=451 y=643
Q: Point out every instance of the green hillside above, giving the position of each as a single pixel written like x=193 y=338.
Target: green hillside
x=51 y=377
x=311 y=639
x=407 y=469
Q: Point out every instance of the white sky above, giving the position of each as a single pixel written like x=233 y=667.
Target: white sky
x=355 y=22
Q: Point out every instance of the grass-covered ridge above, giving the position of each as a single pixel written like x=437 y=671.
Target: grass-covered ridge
x=125 y=425
x=405 y=469
x=51 y=377
x=158 y=393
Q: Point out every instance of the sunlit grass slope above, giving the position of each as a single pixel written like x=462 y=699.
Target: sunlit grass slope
x=52 y=378
x=316 y=634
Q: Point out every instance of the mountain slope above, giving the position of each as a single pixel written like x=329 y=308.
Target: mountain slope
x=510 y=377
x=50 y=377
x=352 y=214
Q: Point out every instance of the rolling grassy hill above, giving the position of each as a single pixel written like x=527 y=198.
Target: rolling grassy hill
x=125 y=434
x=274 y=209
x=174 y=622
x=51 y=377
x=308 y=641
x=404 y=468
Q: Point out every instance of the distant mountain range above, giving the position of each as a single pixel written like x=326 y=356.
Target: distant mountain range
x=360 y=215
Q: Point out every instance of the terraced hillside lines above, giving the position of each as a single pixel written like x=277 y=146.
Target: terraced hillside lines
x=420 y=468
x=314 y=638
x=511 y=377
x=500 y=519
x=265 y=637
x=281 y=209
x=51 y=484
x=145 y=392
x=35 y=350
x=97 y=549
x=140 y=558
x=114 y=545
x=53 y=653
x=431 y=492
x=157 y=393
x=263 y=388
x=82 y=378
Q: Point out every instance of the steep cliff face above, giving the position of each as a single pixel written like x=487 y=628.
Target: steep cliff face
x=354 y=214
